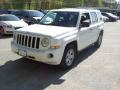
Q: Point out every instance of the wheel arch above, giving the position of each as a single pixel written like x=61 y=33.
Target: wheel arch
x=72 y=43
x=102 y=31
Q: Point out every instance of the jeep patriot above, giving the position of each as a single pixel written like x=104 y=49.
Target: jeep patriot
x=58 y=37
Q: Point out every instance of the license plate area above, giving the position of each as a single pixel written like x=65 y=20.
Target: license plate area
x=22 y=52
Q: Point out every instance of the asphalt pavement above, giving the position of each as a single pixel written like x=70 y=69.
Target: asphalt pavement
x=95 y=69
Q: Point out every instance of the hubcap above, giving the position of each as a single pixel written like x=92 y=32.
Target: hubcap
x=70 y=57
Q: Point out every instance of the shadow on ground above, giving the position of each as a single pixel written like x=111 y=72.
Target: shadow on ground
x=24 y=74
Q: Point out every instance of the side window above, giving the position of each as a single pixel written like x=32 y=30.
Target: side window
x=85 y=16
x=94 y=17
x=85 y=20
x=100 y=16
x=18 y=14
x=25 y=14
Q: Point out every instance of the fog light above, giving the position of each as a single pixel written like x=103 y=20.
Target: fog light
x=50 y=55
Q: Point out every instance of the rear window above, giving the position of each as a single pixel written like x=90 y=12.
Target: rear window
x=16 y=13
x=35 y=14
x=3 y=12
x=9 y=18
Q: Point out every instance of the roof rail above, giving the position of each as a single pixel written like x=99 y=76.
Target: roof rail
x=92 y=8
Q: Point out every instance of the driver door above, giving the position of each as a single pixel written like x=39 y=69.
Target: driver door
x=84 y=31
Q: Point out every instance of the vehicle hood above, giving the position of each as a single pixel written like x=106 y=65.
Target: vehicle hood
x=15 y=23
x=52 y=31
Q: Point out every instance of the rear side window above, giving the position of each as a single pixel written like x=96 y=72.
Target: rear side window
x=94 y=17
x=99 y=16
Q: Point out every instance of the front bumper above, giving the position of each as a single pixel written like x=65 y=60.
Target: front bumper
x=51 y=56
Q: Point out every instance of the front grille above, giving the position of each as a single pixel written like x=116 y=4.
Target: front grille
x=28 y=41
x=10 y=32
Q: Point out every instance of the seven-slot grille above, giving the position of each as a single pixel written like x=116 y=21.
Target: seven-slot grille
x=28 y=41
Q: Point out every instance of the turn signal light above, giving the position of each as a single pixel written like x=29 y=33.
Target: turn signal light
x=55 y=46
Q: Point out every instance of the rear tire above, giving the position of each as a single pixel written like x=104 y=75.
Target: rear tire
x=99 y=40
x=69 y=57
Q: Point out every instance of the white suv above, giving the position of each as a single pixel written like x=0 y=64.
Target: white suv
x=58 y=37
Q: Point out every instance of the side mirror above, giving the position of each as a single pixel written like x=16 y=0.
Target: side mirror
x=85 y=23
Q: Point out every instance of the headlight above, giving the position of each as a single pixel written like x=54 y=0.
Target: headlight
x=45 y=42
x=8 y=26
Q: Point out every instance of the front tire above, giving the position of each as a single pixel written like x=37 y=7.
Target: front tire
x=69 y=57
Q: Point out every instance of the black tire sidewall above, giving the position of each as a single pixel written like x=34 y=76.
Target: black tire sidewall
x=63 y=61
x=97 y=45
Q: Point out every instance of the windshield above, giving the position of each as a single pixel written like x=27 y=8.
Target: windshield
x=59 y=18
x=36 y=14
x=9 y=18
